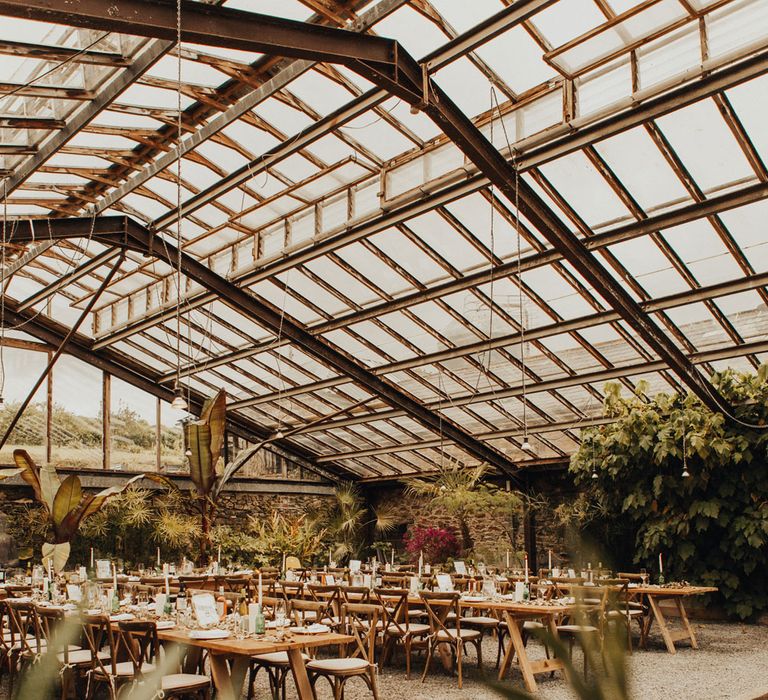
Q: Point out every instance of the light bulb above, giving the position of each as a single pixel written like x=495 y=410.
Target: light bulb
x=685 y=473
x=179 y=402
x=526 y=445
x=594 y=475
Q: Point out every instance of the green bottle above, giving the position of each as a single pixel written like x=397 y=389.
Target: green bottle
x=526 y=592
x=259 y=625
x=115 y=603
x=661 y=578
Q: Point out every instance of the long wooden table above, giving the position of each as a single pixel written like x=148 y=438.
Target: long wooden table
x=515 y=614
x=654 y=595
x=230 y=658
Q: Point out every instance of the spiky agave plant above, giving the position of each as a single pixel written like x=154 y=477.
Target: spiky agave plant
x=64 y=503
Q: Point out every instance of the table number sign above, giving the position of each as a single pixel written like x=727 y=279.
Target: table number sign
x=460 y=567
x=204 y=605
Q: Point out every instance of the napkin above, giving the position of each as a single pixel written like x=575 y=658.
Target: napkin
x=208 y=634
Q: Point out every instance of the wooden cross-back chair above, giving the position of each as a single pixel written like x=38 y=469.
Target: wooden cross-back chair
x=361 y=621
x=398 y=627
x=439 y=607
x=140 y=642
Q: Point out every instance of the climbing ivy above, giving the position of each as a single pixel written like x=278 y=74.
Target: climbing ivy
x=711 y=527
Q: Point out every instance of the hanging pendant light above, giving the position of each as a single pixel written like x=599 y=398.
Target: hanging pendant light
x=526 y=445
x=685 y=473
x=594 y=474
x=279 y=434
x=179 y=403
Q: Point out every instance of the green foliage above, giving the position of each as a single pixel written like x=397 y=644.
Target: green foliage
x=463 y=493
x=712 y=527
x=345 y=520
x=280 y=534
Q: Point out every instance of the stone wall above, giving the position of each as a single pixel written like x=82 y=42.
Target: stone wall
x=492 y=536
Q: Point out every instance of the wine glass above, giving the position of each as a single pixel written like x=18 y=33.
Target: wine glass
x=644 y=576
x=279 y=617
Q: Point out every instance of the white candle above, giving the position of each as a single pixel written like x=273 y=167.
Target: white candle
x=329 y=557
x=526 y=568
x=421 y=563
x=167 y=585
x=158 y=557
x=661 y=565
x=91 y=557
x=218 y=558
x=393 y=557
x=507 y=559
x=259 y=588
x=283 y=562
x=550 y=560
x=114 y=577
x=50 y=559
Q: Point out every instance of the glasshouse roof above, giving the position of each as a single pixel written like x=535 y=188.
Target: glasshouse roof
x=395 y=231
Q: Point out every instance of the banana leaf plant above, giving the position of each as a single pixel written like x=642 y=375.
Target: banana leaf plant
x=65 y=503
x=204 y=440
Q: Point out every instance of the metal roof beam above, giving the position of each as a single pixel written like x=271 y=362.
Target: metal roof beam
x=128 y=234
x=142 y=377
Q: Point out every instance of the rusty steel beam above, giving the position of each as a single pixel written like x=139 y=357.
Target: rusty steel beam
x=127 y=234
x=53 y=358
x=210 y=26
x=144 y=378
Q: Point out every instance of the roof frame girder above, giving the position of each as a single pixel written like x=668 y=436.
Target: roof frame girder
x=125 y=233
x=138 y=375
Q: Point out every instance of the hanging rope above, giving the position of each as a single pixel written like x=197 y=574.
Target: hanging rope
x=2 y=291
x=179 y=210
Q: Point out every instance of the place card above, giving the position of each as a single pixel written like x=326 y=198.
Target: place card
x=460 y=568
x=103 y=568
x=354 y=566
x=444 y=583
x=74 y=592
x=204 y=605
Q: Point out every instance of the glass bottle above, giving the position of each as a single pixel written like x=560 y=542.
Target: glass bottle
x=259 y=624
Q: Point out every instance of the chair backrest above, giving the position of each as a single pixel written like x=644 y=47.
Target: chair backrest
x=304 y=611
x=100 y=636
x=438 y=607
x=631 y=576
x=355 y=594
x=361 y=621
x=25 y=629
x=394 y=581
x=394 y=609
x=269 y=603
x=50 y=621
x=138 y=638
x=290 y=589
x=330 y=595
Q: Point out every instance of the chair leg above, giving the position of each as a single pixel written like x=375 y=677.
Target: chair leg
x=372 y=678
x=459 y=664
x=427 y=663
x=479 y=647
x=407 y=648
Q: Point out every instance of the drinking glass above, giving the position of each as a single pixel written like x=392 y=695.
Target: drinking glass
x=644 y=576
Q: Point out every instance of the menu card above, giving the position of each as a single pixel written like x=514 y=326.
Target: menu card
x=103 y=568
x=204 y=605
x=444 y=583
x=354 y=566
x=460 y=567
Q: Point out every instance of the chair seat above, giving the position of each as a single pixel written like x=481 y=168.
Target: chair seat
x=417 y=613
x=337 y=665
x=82 y=657
x=576 y=629
x=530 y=625
x=275 y=658
x=455 y=634
x=182 y=681
x=615 y=614
x=480 y=621
x=414 y=629
x=124 y=669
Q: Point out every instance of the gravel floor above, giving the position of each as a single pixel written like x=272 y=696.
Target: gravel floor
x=732 y=662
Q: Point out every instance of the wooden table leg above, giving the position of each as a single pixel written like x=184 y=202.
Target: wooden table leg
x=522 y=655
x=686 y=623
x=509 y=652
x=228 y=681
x=299 y=671
x=665 y=633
